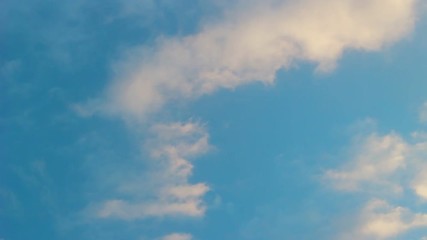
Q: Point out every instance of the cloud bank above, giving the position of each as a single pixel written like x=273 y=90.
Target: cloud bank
x=251 y=43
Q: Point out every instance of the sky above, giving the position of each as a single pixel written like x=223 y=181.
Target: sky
x=207 y=120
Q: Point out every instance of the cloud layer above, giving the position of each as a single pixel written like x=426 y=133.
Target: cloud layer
x=252 y=42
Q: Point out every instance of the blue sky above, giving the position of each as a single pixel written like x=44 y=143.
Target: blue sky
x=199 y=120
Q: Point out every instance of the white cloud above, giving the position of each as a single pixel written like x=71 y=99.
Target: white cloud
x=419 y=182
x=251 y=43
x=171 y=148
x=379 y=167
x=376 y=159
x=178 y=236
x=381 y=220
x=420 y=185
x=384 y=164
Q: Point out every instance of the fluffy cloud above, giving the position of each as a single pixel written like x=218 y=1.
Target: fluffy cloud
x=384 y=164
x=419 y=182
x=252 y=41
x=380 y=220
x=178 y=236
x=385 y=168
x=376 y=159
x=171 y=148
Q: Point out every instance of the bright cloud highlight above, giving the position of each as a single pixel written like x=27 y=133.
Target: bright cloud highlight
x=385 y=168
x=252 y=42
x=376 y=159
x=382 y=221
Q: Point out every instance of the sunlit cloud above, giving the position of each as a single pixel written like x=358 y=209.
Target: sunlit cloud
x=172 y=148
x=384 y=168
x=251 y=43
x=380 y=220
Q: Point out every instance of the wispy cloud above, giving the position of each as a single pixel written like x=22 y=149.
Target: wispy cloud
x=380 y=220
x=376 y=158
x=171 y=148
x=178 y=236
x=384 y=168
x=251 y=43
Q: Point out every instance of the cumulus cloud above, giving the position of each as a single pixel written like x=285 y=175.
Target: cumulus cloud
x=172 y=148
x=252 y=41
x=178 y=236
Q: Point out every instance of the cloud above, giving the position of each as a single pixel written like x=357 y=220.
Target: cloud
x=419 y=182
x=251 y=42
x=384 y=164
x=380 y=220
x=376 y=158
x=171 y=148
x=178 y=236
x=385 y=168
